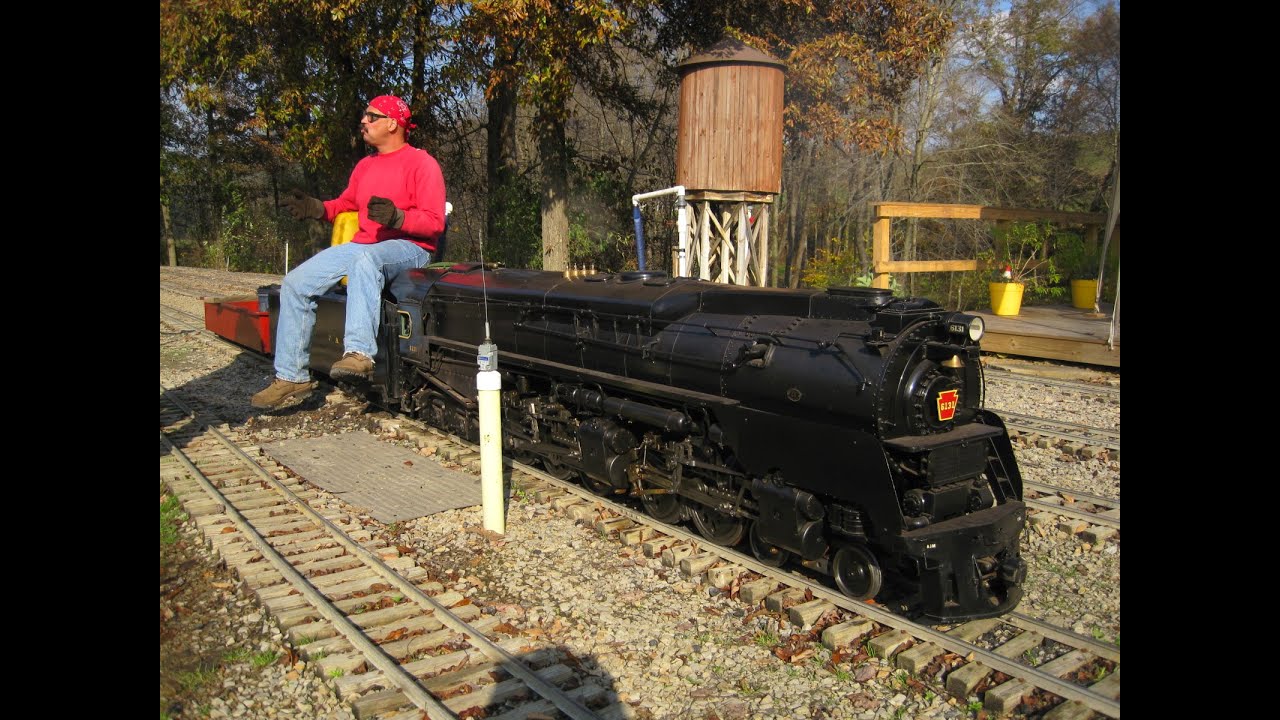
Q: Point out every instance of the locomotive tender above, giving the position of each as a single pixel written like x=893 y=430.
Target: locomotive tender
x=842 y=428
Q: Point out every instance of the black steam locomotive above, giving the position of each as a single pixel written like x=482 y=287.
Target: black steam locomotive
x=843 y=428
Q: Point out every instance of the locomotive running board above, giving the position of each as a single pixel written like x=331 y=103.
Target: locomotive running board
x=920 y=443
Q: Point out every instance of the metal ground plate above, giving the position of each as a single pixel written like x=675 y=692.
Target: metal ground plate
x=392 y=482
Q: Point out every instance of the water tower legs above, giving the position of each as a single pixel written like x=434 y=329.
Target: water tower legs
x=730 y=240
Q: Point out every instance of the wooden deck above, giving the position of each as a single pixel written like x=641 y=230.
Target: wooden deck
x=1053 y=332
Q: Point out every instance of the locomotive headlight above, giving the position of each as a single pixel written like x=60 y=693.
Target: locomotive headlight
x=970 y=326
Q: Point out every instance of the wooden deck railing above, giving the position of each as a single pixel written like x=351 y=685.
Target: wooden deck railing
x=884 y=264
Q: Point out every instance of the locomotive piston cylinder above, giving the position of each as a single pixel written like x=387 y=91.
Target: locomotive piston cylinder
x=793 y=520
x=606 y=450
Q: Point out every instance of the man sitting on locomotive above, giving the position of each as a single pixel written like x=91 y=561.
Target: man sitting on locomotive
x=399 y=194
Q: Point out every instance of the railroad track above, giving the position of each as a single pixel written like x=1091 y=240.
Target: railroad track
x=1083 y=388
x=1091 y=509
x=182 y=292
x=1065 y=433
x=185 y=321
x=1044 y=431
x=393 y=641
x=1003 y=660
x=214 y=283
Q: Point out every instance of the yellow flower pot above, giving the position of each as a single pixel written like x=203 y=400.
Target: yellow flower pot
x=1082 y=293
x=1006 y=297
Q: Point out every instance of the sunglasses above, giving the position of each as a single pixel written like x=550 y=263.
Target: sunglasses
x=374 y=117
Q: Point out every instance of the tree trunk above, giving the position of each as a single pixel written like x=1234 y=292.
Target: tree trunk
x=796 y=240
x=555 y=193
x=422 y=40
x=501 y=161
x=168 y=234
x=166 y=230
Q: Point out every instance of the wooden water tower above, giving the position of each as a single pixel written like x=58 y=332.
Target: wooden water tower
x=729 y=158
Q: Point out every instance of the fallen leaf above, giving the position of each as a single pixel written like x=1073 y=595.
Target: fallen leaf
x=801 y=655
x=228 y=529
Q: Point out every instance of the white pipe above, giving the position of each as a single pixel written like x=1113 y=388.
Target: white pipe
x=489 y=385
x=682 y=218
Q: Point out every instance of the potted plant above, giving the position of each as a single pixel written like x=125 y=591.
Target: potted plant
x=1019 y=269
x=1079 y=263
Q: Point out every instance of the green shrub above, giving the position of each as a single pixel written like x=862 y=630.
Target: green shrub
x=1074 y=258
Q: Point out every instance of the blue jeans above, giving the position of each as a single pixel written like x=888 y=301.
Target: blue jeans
x=367 y=267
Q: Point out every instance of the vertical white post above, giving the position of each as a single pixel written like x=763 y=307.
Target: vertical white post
x=704 y=244
x=682 y=218
x=489 y=385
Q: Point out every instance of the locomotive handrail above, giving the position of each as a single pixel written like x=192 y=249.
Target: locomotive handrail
x=853 y=368
x=645 y=387
x=646 y=350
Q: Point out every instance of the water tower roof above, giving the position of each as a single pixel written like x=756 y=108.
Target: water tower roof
x=730 y=51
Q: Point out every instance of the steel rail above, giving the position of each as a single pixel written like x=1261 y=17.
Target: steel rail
x=1084 y=388
x=1067 y=431
x=407 y=683
x=510 y=663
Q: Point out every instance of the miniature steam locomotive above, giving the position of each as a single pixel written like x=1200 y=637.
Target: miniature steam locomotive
x=842 y=429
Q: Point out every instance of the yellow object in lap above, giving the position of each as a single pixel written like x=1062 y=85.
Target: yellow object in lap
x=345 y=226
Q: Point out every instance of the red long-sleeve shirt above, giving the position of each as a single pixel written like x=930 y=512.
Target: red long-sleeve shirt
x=411 y=179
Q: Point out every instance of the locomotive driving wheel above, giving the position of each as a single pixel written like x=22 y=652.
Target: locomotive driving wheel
x=717 y=527
x=599 y=487
x=557 y=470
x=770 y=555
x=663 y=507
x=857 y=572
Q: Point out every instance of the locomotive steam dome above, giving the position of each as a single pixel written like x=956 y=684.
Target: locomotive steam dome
x=730 y=127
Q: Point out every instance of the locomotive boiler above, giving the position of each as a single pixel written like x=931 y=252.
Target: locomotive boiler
x=841 y=428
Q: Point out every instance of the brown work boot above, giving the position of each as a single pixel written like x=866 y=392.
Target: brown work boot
x=352 y=365
x=282 y=393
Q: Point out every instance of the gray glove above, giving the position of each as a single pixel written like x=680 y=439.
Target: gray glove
x=384 y=212
x=302 y=207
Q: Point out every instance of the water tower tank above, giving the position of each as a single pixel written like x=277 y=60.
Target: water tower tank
x=730 y=131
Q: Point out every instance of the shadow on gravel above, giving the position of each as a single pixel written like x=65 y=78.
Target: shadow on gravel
x=226 y=391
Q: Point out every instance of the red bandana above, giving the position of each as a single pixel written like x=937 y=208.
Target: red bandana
x=394 y=108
